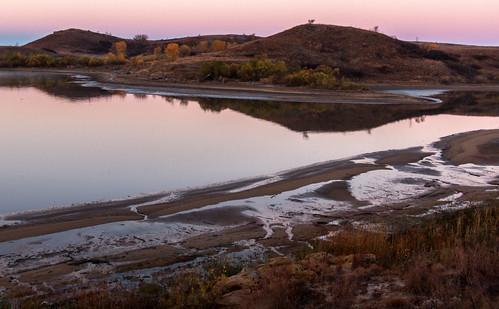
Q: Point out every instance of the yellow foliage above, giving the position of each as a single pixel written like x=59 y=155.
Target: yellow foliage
x=218 y=45
x=172 y=51
x=120 y=48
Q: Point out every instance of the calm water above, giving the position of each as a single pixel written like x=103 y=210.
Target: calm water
x=63 y=144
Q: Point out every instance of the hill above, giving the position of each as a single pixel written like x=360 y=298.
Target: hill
x=75 y=41
x=362 y=54
x=84 y=42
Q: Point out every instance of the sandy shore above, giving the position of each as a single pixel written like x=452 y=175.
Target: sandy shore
x=480 y=147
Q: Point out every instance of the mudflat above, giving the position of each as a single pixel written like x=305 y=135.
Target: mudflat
x=480 y=147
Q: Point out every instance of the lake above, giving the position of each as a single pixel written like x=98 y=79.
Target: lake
x=62 y=143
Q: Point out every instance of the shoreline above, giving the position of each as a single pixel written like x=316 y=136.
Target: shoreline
x=377 y=93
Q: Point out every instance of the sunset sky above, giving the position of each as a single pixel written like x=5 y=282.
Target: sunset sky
x=460 y=21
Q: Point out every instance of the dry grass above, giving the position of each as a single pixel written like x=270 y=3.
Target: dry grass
x=449 y=261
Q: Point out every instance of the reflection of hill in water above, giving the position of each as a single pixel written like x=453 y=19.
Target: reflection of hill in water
x=56 y=85
x=303 y=117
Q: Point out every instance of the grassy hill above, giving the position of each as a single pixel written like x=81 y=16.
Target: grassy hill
x=360 y=55
x=368 y=55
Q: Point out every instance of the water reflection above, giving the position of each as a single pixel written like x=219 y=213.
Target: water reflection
x=112 y=145
x=57 y=85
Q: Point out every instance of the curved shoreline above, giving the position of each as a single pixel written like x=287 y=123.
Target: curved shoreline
x=58 y=220
x=377 y=95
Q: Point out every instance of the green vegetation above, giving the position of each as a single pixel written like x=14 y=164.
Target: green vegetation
x=43 y=60
x=322 y=77
x=253 y=70
x=277 y=72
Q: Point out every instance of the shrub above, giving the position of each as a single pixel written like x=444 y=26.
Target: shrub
x=111 y=58
x=260 y=68
x=138 y=60
x=322 y=77
x=218 y=45
x=172 y=51
x=215 y=70
x=12 y=59
x=40 y=60
x=141 y=37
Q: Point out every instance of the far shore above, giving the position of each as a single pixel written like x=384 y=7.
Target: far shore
x=377 y=93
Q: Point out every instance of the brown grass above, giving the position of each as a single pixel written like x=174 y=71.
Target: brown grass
x=448 y=261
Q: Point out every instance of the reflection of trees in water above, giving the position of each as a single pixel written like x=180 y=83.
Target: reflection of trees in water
x=140 y=96
x=306 y=117
x=418 y=119
x=56 y=85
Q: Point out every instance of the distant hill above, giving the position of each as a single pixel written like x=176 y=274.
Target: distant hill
x=83 y=42
x=75 y=41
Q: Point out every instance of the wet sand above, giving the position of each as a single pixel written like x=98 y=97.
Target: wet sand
x=58 y=220
x=480 y=147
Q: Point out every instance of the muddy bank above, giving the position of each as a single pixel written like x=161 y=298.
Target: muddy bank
x=480 y=147
x=156 y=206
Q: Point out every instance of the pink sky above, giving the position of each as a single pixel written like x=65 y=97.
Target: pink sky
x=463 y=21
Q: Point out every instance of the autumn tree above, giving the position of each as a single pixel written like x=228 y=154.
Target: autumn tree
x=141 y=37
x=172 y=51
x=120 y=48
x=118 y=56
x=218 y=45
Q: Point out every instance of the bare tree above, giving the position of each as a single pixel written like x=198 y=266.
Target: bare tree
x=141 y=37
